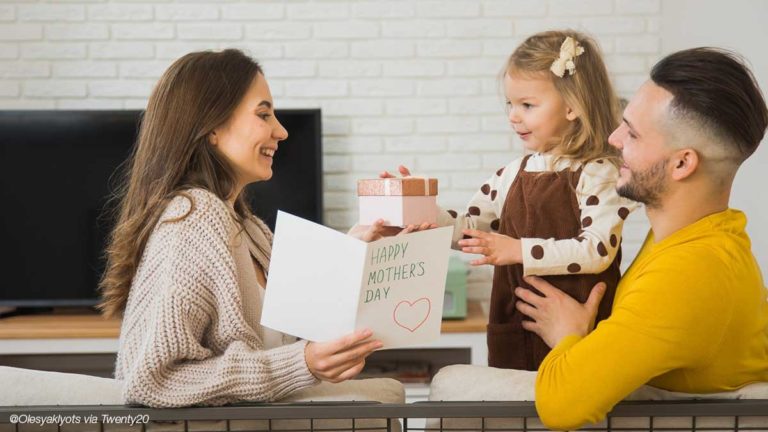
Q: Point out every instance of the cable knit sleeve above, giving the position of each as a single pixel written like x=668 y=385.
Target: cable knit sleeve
x=185 y=340
x=603 y=213
x=484 y=209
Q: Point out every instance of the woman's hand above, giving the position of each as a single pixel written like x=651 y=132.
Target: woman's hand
x=341 y=359
x=405 y=172
x=556 y=314
x=497 y=248
x=369 y=233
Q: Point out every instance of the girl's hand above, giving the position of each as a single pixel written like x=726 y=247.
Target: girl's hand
x=497 y=248
x=340 y=359
x=404 y=172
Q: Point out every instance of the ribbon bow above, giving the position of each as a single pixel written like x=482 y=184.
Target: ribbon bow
x=569 y=50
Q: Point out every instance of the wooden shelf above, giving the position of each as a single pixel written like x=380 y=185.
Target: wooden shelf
x=475 y=322
x=86 y=326
x=59 y=326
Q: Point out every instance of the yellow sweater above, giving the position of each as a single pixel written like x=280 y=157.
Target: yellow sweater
x=690 y=315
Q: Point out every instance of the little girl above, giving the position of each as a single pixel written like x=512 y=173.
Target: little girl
x=553 y=213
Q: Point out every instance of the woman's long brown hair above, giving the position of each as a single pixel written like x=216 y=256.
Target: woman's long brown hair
x=198 y=93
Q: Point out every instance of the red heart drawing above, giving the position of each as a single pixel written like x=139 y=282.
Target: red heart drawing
x=411 y=315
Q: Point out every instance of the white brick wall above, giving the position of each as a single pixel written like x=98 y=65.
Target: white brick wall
x=411 y=82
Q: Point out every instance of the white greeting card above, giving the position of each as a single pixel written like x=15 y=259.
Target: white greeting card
x=324 y=284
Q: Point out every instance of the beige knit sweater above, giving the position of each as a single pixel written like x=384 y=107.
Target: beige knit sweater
x=190 y=333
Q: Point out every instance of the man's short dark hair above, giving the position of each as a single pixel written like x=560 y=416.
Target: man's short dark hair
x=715 y=88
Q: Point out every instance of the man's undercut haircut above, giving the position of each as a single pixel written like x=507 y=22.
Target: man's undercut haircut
x=715 y=90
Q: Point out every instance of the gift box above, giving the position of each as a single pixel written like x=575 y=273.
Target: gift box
x=399 y=201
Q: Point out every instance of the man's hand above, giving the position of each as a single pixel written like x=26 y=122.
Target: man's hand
x=557 y=315
x=497 y=248
x=341 y=359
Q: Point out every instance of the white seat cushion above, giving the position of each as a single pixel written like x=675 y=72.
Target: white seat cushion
x=480 y=383
x=32 y=387
x=468 y=383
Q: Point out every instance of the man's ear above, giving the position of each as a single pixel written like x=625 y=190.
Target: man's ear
x=684 y=163
x=570 y=114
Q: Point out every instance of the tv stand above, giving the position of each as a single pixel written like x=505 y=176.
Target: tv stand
x=16 y=311
x=8 y=312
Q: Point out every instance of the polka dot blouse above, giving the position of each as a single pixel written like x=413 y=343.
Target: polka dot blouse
x=603 y=213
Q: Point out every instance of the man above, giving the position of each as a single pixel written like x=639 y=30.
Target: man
x=691 y=313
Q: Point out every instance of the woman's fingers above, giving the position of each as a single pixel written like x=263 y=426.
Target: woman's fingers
x=329 y=360
x=368 y=233
x=374 y=231
x=353 y=354
x=426 y=226
x=415 y=228
x=348 y=372
x=406 y=230
x=344 y=361
x=343 y=343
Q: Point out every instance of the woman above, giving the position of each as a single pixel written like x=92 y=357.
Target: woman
x=187 y=261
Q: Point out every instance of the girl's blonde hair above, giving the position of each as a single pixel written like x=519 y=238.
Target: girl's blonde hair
x=587 y=91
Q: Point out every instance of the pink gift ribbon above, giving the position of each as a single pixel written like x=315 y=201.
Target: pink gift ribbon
x=388 y=190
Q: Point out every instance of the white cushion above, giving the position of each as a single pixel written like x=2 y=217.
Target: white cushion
x=385 y=390
x=31 y=387
x=481 y=383
x=751 y=391
x=468 y=383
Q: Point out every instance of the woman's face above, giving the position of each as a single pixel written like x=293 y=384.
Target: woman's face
x=249 y=138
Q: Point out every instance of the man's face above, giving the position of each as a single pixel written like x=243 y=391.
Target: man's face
x=643 y=175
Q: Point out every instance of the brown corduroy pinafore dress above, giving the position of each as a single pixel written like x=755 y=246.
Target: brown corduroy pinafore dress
x=538 y=205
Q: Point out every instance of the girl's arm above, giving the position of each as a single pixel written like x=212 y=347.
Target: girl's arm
x=602 y=217
x=484 y=209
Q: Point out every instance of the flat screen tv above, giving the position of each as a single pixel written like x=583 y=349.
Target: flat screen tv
x=56 y=174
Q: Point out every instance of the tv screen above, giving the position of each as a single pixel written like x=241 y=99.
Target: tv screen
x=56 y=173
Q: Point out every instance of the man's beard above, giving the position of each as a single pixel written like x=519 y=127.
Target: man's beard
x=646 y=186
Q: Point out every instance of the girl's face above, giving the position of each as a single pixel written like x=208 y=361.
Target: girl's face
x=249 y=138
x=536 y=110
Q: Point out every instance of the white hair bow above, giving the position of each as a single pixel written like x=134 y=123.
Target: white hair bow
x=569 y=50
